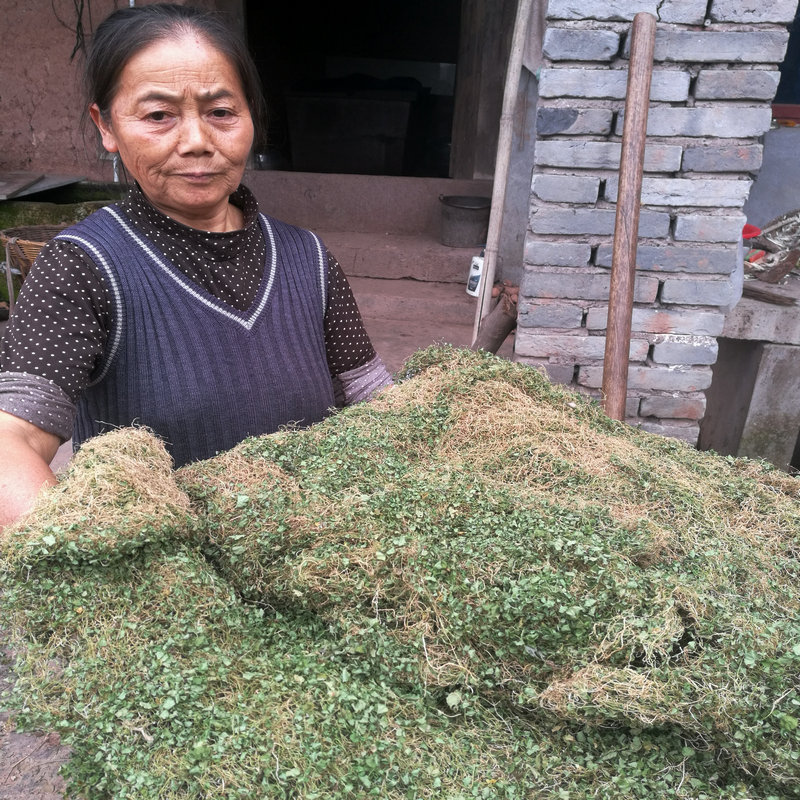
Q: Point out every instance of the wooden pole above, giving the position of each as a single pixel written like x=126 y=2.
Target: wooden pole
x=502 y=160
x=626 y=230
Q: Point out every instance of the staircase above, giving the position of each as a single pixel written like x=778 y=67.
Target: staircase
x=385 y=232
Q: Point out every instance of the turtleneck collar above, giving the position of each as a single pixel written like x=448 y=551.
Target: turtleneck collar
x=215 y=245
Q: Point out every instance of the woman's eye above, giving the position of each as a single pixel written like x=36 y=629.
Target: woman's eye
x=220 y=113
x=157 y=116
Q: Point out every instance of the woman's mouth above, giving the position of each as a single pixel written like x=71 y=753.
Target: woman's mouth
x=196 y=176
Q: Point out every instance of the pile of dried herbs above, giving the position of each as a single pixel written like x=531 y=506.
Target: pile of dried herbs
x=476 y=585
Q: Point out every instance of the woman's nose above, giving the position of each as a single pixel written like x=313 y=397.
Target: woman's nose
x=193 y=136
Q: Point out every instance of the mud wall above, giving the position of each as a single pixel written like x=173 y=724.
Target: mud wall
x=40 y=93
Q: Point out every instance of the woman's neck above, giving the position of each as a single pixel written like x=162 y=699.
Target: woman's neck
x=225 y=219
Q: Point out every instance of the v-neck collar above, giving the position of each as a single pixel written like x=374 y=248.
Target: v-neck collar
x=246 y=318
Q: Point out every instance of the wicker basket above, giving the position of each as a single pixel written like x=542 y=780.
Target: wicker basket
x=22 y=245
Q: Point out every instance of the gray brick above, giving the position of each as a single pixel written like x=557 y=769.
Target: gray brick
x=554 y=220
x=657 y=379
x=753 y=11
x=603 y=155
x=688 y=12
x=575 y=285
x=698 y=292
x=674 y=406
x=651 y=320
x=570 y=44
x=596 y=221
x=716 y=193
x=556 y=373
x=573 y=121
x=549 y=314
x=723 y=158
x=556 y=254
x=631 y=407
x=575 y=347
x=652 y=224
x=736 y=84
x=566 y=188
x=672 y=258
x=688 y=433
x=724 y=121
x=606 y=10
x=688 y=350
x=666 y=85
x=764 y=46
x=707 y=228
x=559 y=373
x=682 y=12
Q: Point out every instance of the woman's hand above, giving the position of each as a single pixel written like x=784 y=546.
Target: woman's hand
x=25 y=455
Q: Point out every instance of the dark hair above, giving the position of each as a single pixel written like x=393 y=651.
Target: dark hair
x=127 y=31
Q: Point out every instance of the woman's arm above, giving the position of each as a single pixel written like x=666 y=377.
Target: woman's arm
x=47 y=352
x=357 y=371
x=25 y=455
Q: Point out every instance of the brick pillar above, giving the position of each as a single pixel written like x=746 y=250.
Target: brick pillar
x=715 y=74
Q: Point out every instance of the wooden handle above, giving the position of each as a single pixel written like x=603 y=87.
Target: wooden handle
x=626 y=230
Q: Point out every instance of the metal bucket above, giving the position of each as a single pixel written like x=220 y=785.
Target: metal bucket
x=465 y=220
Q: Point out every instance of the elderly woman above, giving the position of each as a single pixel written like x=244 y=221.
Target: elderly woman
x=182 y=308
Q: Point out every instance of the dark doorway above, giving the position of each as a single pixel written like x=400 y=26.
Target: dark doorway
x=788 y=92
x=359 y=86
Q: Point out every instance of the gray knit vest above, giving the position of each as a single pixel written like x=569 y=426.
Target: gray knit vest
x=198 y=372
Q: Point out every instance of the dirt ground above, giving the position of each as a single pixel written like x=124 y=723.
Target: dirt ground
x=29 y=763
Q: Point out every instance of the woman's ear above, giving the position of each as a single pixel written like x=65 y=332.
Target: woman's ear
x=106 y=134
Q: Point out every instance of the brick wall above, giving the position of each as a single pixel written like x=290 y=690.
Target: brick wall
x=715 y=73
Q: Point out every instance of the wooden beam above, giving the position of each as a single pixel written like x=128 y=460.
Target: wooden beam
x=626 y=230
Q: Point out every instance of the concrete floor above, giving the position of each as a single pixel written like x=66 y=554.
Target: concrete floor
x=403 y=316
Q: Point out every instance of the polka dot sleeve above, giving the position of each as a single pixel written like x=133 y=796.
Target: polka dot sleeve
x=346 y=341
x=60 y=323
x=37 y=401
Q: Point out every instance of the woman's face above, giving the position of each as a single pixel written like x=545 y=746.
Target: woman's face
x=180 y=122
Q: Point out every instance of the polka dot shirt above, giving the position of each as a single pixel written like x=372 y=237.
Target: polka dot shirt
x=64 y=314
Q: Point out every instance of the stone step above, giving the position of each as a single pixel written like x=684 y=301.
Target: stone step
x=363 y=203
x=393 y=256
x=376 y=226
